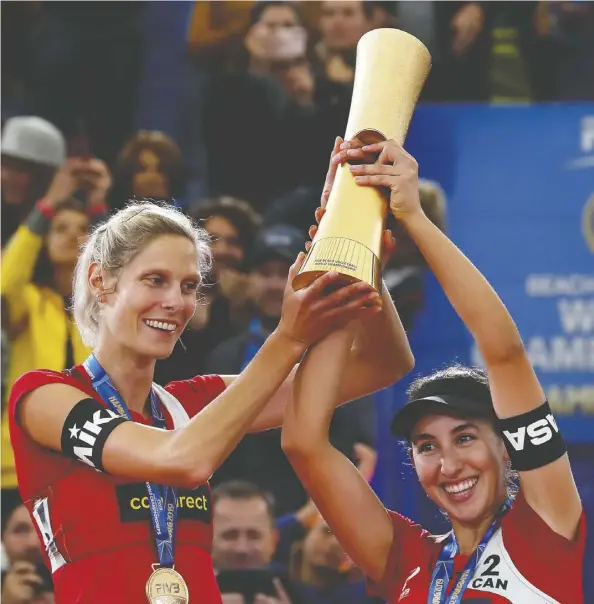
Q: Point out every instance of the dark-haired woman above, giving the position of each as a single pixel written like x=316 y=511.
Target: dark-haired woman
x=466 y=432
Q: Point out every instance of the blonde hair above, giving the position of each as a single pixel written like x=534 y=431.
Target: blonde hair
x=117 y=241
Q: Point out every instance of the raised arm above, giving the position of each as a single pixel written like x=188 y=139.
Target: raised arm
x=22 y=250
x=188 y=456
x=549 y=489
x=340 y=492
x=18 y=264
x=380 y=354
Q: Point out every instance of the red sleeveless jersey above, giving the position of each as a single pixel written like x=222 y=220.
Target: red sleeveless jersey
x=96 y=528
x=525 y=562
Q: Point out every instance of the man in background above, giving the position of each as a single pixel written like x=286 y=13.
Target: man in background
x=244 y=543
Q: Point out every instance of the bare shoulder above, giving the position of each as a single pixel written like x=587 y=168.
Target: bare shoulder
x=42 y=411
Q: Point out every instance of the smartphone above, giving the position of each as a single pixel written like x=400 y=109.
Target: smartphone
x=247 y=582
x=79 y=145
x=46 y=578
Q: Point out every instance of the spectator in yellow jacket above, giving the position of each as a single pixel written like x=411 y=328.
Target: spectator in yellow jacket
x=36 y=281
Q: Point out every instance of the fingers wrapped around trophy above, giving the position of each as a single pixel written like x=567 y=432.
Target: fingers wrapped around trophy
x=391 y=69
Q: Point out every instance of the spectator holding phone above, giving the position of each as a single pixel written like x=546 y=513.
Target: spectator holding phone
x=32 y=150
x=245 y=539
x=260 y=92
x=37 y=270
x=26 y=580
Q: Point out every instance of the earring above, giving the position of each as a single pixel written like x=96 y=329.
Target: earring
x=99 y=298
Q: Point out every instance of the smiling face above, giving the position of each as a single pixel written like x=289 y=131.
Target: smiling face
x=461 y=465
x=153 y=297
x=244 y=534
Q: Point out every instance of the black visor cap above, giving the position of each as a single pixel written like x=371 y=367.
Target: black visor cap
x=446 y=404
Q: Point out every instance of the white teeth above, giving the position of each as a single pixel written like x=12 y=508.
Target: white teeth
x=161 y=325
x=465 y=485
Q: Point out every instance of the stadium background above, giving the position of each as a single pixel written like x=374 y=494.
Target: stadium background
x=518 y=177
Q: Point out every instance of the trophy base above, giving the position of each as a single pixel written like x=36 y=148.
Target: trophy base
x=351 y=259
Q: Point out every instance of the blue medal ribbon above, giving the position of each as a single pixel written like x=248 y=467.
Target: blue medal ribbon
x=162 y=499
x=444 y=569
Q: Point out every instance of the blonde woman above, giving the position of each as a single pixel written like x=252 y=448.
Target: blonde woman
x=114 y=468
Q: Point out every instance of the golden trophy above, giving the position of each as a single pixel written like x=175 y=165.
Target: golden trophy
x=390 y=72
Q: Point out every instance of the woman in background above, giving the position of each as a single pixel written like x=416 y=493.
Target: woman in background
x=37 y=270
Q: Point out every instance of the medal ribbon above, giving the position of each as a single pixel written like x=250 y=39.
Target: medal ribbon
x=444 y=568
x=162 y=499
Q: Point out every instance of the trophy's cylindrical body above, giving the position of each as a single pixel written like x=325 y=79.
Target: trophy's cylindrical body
x=391 y=68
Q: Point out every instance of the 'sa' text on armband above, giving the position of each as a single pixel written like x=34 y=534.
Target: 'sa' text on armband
x=86 y=429
x=532 y=439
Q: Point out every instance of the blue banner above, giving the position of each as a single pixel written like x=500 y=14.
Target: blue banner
x=520 y=189
x=519 y=182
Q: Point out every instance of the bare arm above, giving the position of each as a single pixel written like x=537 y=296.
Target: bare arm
x=188 y=456
x=185 y=457
x=337 y=488
x=18 y=265
x=550 y=490
x=381 y=353
x=379 y=356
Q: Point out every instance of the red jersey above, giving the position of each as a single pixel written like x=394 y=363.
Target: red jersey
x=96 y=528
x=525 y=562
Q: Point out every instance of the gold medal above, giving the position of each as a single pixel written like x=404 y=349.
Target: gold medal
x=166 y=586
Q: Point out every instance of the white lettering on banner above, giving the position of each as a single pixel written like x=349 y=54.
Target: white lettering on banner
x=576 y=315
x=538 y=433
x=547 y=286
x=567 y=399
x=561 y=354
x=587 y=134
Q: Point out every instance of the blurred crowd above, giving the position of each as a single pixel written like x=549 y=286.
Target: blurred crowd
x=267 y=89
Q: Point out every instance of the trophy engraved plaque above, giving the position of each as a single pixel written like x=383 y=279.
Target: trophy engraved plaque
x=390 y=72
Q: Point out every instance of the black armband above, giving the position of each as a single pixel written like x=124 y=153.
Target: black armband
x=532 y=439
x=86 y=429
